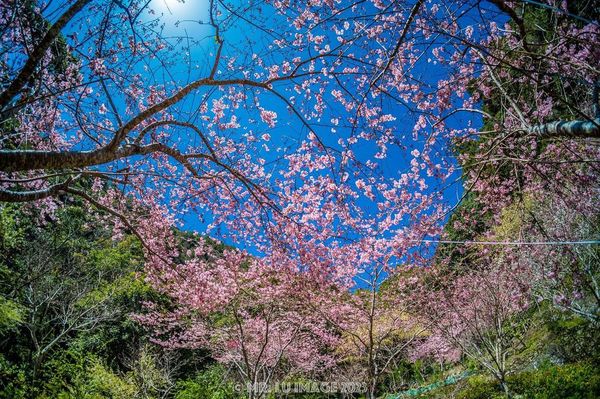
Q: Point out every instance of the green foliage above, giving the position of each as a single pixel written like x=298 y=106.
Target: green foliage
x=97 y=381
x=211 y=383
x=408 y=375
x=11 y=315
x=66 y=292
x=561 y=337
x=569 y=381
x=13 y=380
x=11 y=233
x=455 y=257
x=574 y=339
x=480 y=387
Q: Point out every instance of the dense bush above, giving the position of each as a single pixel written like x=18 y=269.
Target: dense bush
x=571 y=381
x=575 y=381
x=573 y=339
x=480 y=387
x=208 y=384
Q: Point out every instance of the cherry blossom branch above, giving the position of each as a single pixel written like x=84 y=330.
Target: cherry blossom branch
x=400 y=41
x=38 y=53
x=34 y=195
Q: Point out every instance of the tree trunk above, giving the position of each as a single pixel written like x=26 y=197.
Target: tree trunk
x=572 y=129
x=504 y=386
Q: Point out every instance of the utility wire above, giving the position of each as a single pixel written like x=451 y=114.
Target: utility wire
x=518 y=243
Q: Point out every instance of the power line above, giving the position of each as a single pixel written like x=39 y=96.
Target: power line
x=517 y=243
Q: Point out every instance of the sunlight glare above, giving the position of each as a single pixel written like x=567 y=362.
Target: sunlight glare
x=179 y=9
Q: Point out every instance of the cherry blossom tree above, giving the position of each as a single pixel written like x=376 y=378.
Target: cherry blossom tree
x=247 y=313
x=478 y=315
x=375 y=322
x=563 y=274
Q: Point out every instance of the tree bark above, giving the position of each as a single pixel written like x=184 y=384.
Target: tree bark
x=572 y=129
